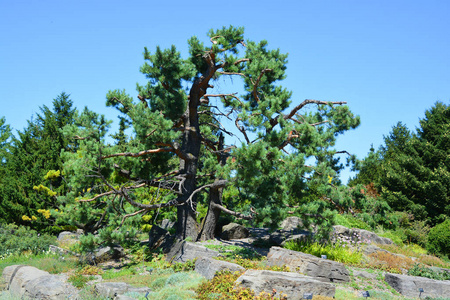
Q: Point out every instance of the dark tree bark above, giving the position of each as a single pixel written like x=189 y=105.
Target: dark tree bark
x=187 y=225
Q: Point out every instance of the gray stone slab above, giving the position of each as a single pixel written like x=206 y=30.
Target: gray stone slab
x=291 y=284
x=409 y=286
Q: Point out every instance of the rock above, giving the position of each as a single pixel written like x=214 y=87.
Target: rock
x=234 y=231
x=297 y=238
x=183 y=251
x=208 y=267
x=50 y=287
x=111 y=289
x=364 y=274
x=370 y=249
x=109 y=253
x=18 y=276
x=322 y=269
x=167 y=224
x=160 y=238
x=409 y=286
x=123 y=297
x=67 y=235
x=119 y=290
x=293 y=285
x=62 y=251
x=261 y=233
x=362 y=235
x=30 y=282
x=291 y=223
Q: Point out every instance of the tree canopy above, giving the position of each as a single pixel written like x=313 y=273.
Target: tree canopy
x=177 y=148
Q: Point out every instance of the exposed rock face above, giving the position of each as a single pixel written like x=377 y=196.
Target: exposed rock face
x=322 y=269
x=30 y=282
x=183 y=251
x=208 y=267
x=293 y=285
x=409 y=286
x=234 y=231
x=160 y=238
x=291 y=223
x=356 y=234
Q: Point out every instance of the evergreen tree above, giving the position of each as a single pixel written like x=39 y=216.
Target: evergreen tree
x=178 y=142
x=411 y=171
x=33 y=167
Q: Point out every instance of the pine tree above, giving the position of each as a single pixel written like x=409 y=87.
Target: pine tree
x=33 y=167
x=411 y=170
x=178 y=143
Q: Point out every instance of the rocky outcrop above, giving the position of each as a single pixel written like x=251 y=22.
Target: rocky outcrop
x=310 y=265
x=409 y=286
x=208 y=267
x=32 y=283
x=234 y=231
x=355 y=235
x=291 y=284
x=118 y=290
x=183 y=251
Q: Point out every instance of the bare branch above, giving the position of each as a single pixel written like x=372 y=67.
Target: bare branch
x=242 y=130
x=217 y=184
x=130 y=215
x=151 y=151
x=255 y=86
x=310 y=101
x=230 y=212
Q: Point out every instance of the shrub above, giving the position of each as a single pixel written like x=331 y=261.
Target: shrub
x=439 y=239
x=15 y=240
x=350 y=221
x=422 y=271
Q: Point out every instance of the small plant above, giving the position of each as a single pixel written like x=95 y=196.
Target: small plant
x=389 y=262
x=422 y=271
x=78 y=280
x=339 y=252
x=222 y=286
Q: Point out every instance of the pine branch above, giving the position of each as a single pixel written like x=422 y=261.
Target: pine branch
x=230 y=212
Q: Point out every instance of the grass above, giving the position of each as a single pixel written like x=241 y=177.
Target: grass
x=336 y=252
x=50 y=262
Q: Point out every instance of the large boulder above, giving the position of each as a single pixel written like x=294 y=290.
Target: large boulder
x=183 y=251
x=18 y=276
x=355 y=235
x=208 y=267
x=409 y=286
x=322 y=269
x=291 y=284
x=31 y=283
x=234 y=231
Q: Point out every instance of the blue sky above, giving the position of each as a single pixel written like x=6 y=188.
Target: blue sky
x=388 y=59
